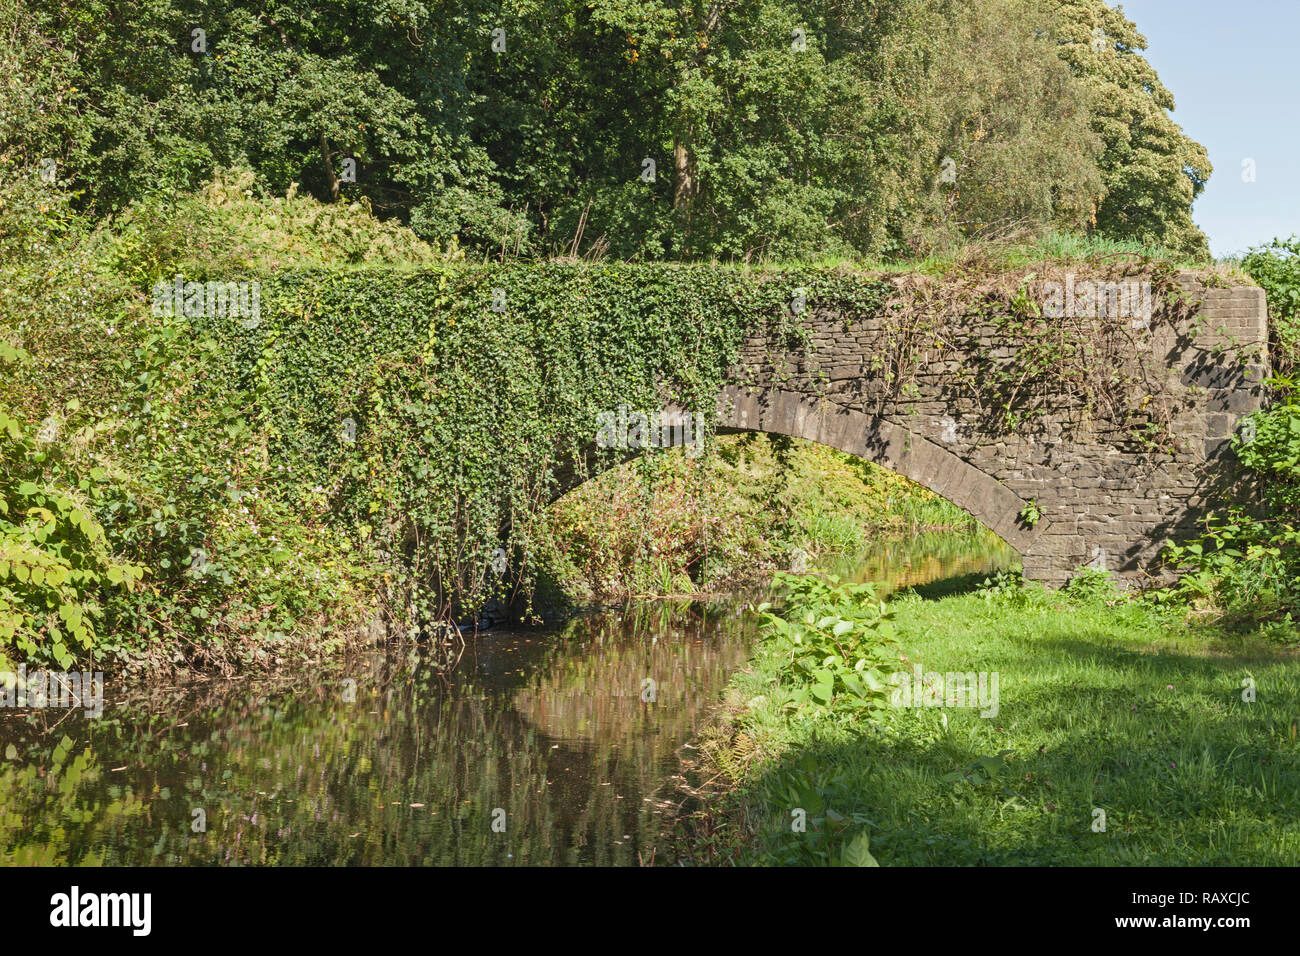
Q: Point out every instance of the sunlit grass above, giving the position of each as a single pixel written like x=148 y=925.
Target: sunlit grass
x=1113 y=707
x=1011 y=253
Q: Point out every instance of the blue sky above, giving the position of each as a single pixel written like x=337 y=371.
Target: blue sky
x=1234 y=69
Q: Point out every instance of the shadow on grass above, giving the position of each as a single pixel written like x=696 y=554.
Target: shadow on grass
x=949 y=586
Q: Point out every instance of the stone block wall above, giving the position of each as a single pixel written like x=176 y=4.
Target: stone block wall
x=1105 y=498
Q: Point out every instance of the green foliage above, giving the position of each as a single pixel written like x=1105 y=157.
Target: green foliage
x=1068 y=246
x=1276 y=268
x=1009 y=588
x=466 y=421
x=294 y=89
x=56 y=563
x=1009 y=117
x=1151 y=170
x=1268 y=442
x=1248 y=560
x=996 y=770
x=830 y=636
x=670 y=523
x=768 y=143
x=226 y=229
x=224 y=436
x=1103 y=705
x=1030 y=514
x=829 y=837
x=437 y=384
x=1091 y=584
x=1246 y=564
x=148 y=414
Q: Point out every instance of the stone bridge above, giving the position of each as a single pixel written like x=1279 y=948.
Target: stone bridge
x=1103 y=498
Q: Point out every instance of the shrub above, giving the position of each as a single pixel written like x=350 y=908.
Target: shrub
x=1248 y=560
x=1090 y=584
x=56 y=563
x=1276 y=267
x=831 y=634
x=1247 y=563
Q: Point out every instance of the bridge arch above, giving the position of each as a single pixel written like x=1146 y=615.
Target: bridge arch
x=882 y=443
x=1101 y=495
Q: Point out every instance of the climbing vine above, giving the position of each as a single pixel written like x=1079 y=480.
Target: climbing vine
x=442 y=411
x=985 y=339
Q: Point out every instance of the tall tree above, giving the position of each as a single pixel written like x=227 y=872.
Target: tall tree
x=730 y=129
x=1152 y=171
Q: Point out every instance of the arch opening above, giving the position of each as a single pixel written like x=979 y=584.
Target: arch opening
x=882 y=443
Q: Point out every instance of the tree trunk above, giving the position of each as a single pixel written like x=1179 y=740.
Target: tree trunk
x=683 y=177
x=685 y=184
x=330 y=175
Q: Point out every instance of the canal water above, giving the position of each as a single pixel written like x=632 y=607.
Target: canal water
x=533 y=747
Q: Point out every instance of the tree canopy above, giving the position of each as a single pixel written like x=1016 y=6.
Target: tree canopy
x=734 y=129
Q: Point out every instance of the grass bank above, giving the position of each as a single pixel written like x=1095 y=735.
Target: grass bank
x=1122 y=736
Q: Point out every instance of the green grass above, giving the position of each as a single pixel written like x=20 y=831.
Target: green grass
x=1121 y=708
x=1011 y=254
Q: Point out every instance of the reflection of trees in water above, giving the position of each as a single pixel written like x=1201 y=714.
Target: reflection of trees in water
x=550 y=728
x=906 y=562
x=567 y=748
x=615 y=747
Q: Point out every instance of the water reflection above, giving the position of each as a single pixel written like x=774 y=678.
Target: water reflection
x=924 y=558
x=561 y=739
